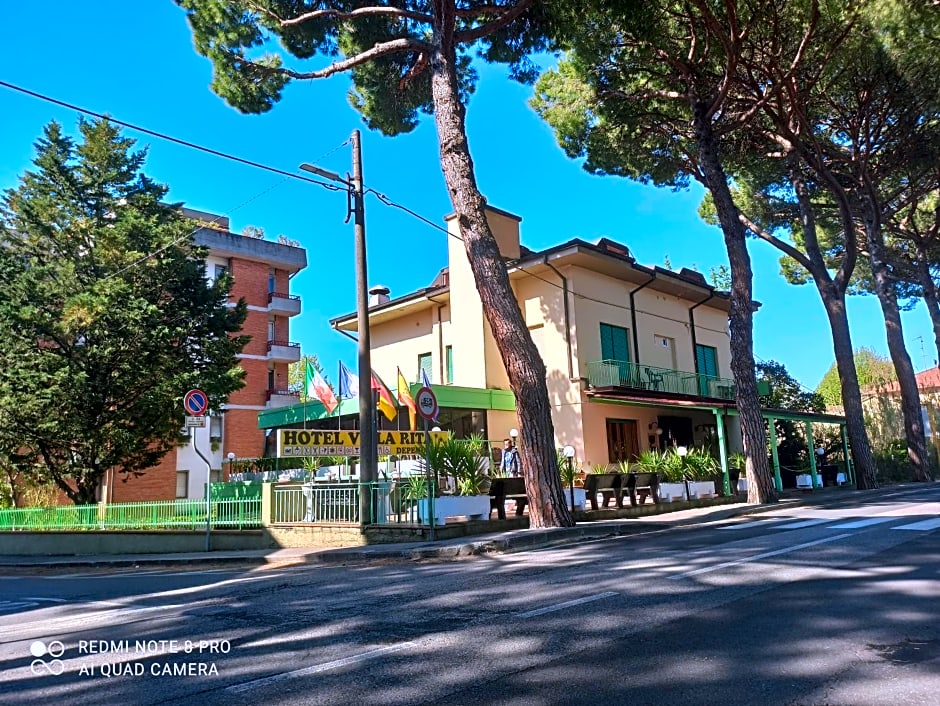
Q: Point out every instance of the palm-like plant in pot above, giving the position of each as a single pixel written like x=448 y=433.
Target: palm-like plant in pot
x=459 y=466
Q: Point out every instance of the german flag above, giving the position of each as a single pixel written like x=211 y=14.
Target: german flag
x=386 y=402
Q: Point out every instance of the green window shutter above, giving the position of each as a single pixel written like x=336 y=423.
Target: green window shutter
x=424 y=366
x=614 y=343
x=449 y=355
x=706 y=360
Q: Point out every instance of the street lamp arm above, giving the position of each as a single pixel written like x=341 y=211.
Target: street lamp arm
x=325 y=173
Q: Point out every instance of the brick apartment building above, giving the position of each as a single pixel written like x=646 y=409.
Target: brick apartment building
x=261 y=272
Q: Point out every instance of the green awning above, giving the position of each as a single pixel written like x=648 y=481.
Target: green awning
x=448 y=397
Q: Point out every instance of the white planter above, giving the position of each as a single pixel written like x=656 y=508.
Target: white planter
x=804 y=481
x=702 y=488
x=742 y=485
x=476 y=507
x=580 y=498
x=671 y=492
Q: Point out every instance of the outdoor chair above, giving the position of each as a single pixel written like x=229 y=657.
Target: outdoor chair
x=655 y=379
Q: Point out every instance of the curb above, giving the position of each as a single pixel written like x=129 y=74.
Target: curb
x=510 y=542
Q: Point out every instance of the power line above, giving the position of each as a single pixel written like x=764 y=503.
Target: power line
x=170 y=138
x=388 y=202
x=193 y=232
x=291 y=175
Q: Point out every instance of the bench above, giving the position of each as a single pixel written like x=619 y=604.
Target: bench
x=607 y=484
x=503 y=489
x=646 y=484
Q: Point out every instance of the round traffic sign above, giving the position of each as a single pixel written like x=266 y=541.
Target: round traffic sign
x=196 y=402
x=426 y=402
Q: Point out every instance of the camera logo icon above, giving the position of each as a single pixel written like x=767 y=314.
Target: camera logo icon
x=53 y=650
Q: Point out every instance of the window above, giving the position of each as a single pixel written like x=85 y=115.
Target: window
x=215 y=428
x=271 y=330
x=706 y=360
x=706 y=365
x=614 y=343
x=216 y=475
x=219 y=271
x=271 y=281
x=449 y=355
x=182 y=484
x=424 y=367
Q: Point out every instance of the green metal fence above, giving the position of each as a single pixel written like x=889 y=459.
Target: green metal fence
x=240 y=513
x=394 y=502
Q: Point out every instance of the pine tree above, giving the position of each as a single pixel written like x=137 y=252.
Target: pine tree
x=106 y=315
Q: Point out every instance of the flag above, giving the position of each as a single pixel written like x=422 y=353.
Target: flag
x=405 y=398
x=427 y=383
x=348 y=383
x=386 y=403
x=316 y=386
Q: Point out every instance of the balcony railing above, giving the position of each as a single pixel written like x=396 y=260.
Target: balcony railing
x=282 y=398
x=283 y=351
x=636 y=376
x=283 y=304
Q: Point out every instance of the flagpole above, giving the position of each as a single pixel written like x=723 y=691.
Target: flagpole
x=339 y=416
x=306 y=396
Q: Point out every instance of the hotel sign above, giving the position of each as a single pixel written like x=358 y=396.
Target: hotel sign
x=316 y=442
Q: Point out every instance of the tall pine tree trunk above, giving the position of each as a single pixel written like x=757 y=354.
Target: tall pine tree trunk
x=834 y=301
x=524 y=366
x=910 y=396
x=760 y=485
x=929 y=289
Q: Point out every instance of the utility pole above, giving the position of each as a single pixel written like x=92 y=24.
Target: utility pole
x=368 y=453
x=368 y=456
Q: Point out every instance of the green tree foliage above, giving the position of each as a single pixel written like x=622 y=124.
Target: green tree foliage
x=786 y=392
x=873 y=369
x=297 y=371
x=106 y=313
x=406 y=59
x=642 y=93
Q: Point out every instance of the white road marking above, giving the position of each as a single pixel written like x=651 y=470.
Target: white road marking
x=800 y=525
x=785 y=550
x=752 y=524
x=864 y=523
x=566 y=604
x=923 y=526
x=317 y=668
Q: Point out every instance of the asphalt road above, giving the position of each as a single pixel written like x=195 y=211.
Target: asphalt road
x=826 y=604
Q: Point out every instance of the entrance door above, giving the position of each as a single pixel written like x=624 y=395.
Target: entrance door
x=622 y=444
x=677 y=431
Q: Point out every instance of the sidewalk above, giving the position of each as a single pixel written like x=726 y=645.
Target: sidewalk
x=498 y=542
x=515 y=540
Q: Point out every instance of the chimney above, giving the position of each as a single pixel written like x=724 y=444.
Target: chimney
x=378 y=295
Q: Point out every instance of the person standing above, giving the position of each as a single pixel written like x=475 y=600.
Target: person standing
x=509 y=464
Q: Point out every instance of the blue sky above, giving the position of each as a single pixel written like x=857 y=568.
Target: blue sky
x=135 y=61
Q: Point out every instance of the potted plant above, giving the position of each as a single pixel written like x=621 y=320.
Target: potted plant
x=459 y=473
x=738 y=463
x=700 y=468
x=671 y=473
x=571 y=475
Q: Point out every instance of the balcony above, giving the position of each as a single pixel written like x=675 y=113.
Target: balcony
x=633 y=376
x=283 y=351
x=281 y=304
x=281 y=398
